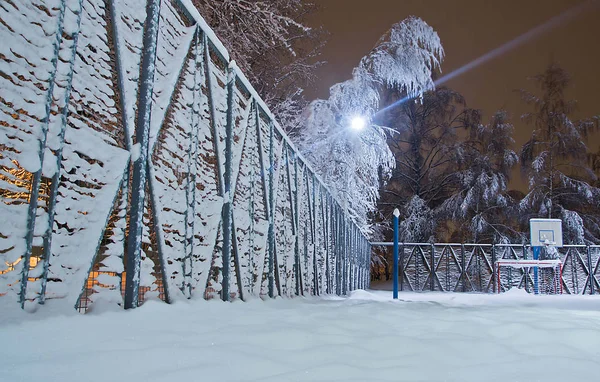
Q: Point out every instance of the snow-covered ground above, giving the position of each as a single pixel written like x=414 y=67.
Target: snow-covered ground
x=366 y=337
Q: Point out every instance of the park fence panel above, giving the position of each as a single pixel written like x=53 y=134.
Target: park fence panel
x=137 y=162
x=454 y=267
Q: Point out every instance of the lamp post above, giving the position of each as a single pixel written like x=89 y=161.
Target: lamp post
x=396 y=216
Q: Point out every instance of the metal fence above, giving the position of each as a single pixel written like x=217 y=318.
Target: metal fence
x=137 y=162
x=453 y=267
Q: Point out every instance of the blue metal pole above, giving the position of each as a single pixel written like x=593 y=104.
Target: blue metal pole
x=591 y=274
x=138 y=186
x=536 y=256
x=271 y=209
x=37 y=176
x=227 y=211
x=58 y=153
x=396 y=215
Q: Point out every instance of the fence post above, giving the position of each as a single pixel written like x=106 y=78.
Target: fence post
x=494 y=281
x=432 y=270
x=526 y=272
x=358 y=259
x=345 y=254
x=305 y=252
x=366 y=270
x=354 y=258
x=478 y=258
x=361 y=276
x=363 y=263
x=462 y=265
x=396 y=215
x=295 y=206
x=366 y=264
x=354 y=263
x=350 y=251
x=367 y=275
x=271 y=209
x=227 y=210
x=591 y=270
x=138 y=188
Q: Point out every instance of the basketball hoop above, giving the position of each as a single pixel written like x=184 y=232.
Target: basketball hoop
x=545 y=233
x=556 y=265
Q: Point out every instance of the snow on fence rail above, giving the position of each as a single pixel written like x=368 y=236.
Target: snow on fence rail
x=455 y=267
x=137 y=161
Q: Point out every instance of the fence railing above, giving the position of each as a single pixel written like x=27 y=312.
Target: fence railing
x=136 y=161
x=455 y=267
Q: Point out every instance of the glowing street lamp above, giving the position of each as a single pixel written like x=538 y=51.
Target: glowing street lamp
x=358 y=123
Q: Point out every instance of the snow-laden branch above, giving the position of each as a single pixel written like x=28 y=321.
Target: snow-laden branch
x=354 y=163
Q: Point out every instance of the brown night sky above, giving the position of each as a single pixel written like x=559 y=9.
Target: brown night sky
x=469 y=29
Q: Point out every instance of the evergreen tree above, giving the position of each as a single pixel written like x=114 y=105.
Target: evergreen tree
x=554 y=160
x=418 y=223
x=481 y=207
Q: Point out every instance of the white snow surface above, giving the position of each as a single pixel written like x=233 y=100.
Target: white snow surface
x=365 y=337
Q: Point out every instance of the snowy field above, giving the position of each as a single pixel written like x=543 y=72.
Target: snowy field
x=366 y=337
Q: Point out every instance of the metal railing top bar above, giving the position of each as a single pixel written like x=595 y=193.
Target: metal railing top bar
x=191 y=10
x=391 y=243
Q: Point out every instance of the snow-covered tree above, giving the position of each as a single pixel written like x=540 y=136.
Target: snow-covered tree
x=352 y=162
x=418 y=224
x=347 y=161
x=272 y=45
x=427 y=150
x=592 y=217
x=480 y=208
x=406 y=56
x=554 y=159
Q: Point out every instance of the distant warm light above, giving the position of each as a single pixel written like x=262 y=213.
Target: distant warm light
x=358 y=123
x=33 y=262
x=20 y=180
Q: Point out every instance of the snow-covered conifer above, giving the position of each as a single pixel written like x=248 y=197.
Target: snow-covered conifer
x=480 y=206
x=554 y=159
x=418 y=222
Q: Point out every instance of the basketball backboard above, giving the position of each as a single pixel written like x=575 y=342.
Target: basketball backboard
x=546 y=232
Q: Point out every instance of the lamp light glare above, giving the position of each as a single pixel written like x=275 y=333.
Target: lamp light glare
x=358 y=123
